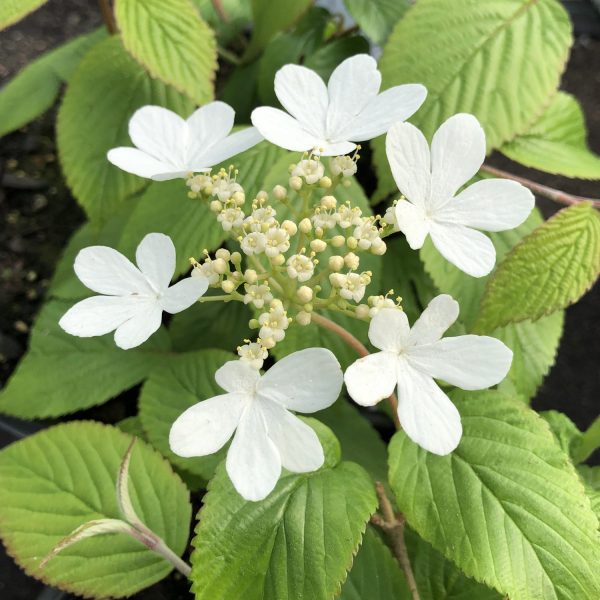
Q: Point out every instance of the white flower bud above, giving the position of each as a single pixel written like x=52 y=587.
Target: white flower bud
x=336 y=263
x=228 y=286
x=328 y=202
x=304 y=294
x=303 y=318
x=216 y=206
x=351 y=261
x=378 y=247
x=236 y=258
x=251 y=276
x=278 y=260
x=310 y=169
x=390 y=218
x=253 y=353
x=318 y=245
x=238 y=198
x=262 y=196
x=219 y=266
x=337 y=241
x=268 y=342
x=343 y=165
x=325 y=182
x=223 y=253
x=290 y=227
x=352 y=242
x=279 y=192
x=337 y=279
x=305 y=225
x=295 y=183
x=362 y=311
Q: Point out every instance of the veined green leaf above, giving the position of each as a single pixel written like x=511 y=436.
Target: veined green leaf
x=377 y=18
x=550 y=269
x=506 y=506
x=170 y=39
x=61 y=373
x=556 y=143
x=231 y=19
x=591 y=480
x=174 y=387
x=297 y=543
x=106 y=89
x=60 y=478
x=564 y=430
x=500 y=60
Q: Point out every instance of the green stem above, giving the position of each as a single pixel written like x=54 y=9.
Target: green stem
x=221 y=298
x=589 y=442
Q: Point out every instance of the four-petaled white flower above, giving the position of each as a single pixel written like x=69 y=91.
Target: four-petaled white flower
x=168 y=146
x=429 y=181
x=411 y=358
x=133 y=297
x=327 y=119
x=257 y=408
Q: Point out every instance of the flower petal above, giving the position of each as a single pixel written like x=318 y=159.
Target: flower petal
x=232 y=145
x=394 y=105
x=159 y=132
x=282 y=130
x=253 y=462
x=437 y=317
x=412 y=223
x=155 y=257
x=372 y=378
x=389 y=329
x=183 y=294
x=408 y=154
x=351 y=87
x=140 y=327
x=297 y=443
x=471 y=362
x=304 y=381
x=205 y=427
x=468 y=249
x=490 y=204
x=207 y=126
x=106 y=271
x=98 y=315
x=426 y=414
x=237 y=376
x=304 y=95
x=334 y=148
x=457 y=152
x=139 y=163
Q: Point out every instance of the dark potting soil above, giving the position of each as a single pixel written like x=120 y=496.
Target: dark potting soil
x=39 y=214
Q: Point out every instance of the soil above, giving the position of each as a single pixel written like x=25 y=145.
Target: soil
x=39 y=214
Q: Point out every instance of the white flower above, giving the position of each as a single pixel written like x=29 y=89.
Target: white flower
x=300 y=266
x=263 y=216
x=224 y=188
x=352 y=286
x=376 y=303
x=273 y=323
x=344 y=165
x=312 y=170
x=231 y=218
x=328 y=119
x=253 y=353
x=168 y=146
x=277 y=241
x=429 y=182
x=366 y=234
x=257 y=408
x=206 y=269
x=324 y=219
x=133 y=298
x=348 y=216
x=253 y=243
x=412 y=357
x=257 y=294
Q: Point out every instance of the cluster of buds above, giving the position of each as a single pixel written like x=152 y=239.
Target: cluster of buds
x=300 y=248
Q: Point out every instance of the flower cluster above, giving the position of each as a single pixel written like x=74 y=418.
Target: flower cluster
x=304 y=247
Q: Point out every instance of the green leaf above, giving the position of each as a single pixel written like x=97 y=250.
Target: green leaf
x=164 y=207
x=500 y=61
x=506 y=506
x=269 y=18
x=549 y=270
x=211 y=325
x=234 y=18
x=329 y=56
x=61 y=373
x=56 y=480
x=556 y=143
x=106 y=89
x=591 y=480
x=169 y=38
x=174 y=387
x=377 y=18
x=375 y=574
x=34 y=89
x=297 y=543
x=437 y=578
x=12 y=11
x=132 y=426
x=360 y=443
x=534 y=345
x=564 y=430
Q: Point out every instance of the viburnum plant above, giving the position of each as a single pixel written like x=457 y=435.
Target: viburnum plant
x=413 y=338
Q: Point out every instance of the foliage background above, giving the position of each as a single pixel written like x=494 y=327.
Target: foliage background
x=38 y=215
